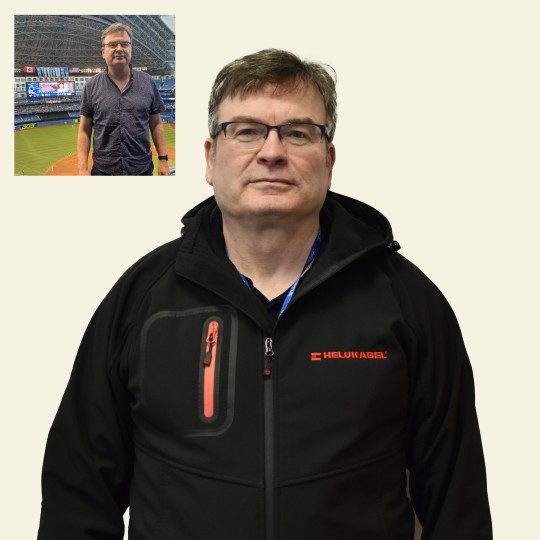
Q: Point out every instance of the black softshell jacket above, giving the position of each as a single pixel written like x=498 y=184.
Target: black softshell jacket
x=188 y=406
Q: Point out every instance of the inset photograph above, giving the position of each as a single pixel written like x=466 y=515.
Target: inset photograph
x=94 y=95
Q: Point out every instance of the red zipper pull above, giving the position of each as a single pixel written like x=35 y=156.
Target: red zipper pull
x=209 y=384
x=211 y=339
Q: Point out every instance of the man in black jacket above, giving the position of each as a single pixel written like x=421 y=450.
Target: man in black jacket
x=275 y=372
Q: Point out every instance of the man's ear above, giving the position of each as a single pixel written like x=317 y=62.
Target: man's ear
x=209 y=156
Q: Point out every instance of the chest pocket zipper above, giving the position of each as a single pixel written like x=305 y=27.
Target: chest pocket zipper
x=210 y=371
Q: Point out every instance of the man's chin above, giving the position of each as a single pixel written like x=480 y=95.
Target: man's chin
x=271 y=206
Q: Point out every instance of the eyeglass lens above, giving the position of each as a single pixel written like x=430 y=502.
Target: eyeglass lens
x=114 y=44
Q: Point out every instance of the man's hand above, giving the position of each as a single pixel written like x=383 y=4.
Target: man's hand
x=163 y=168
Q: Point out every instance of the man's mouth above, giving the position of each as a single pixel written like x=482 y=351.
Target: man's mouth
x=272 y=180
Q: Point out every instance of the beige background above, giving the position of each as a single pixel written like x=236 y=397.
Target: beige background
x=438 y=128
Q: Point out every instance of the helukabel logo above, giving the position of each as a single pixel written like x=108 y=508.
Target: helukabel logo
x=337 y=355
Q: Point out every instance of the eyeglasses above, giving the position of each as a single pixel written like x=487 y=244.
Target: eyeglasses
x=253 y=134
x=114 y=44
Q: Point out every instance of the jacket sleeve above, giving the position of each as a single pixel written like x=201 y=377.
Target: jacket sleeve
x=88 y=458
x=444 y=450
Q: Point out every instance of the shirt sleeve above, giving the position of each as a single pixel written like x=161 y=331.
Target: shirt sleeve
x=444 y=450
x=88 y=458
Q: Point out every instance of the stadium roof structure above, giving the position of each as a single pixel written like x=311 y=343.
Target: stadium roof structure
x=75 y=40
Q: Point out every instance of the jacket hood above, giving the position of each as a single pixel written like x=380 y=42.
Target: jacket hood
x=354 y=228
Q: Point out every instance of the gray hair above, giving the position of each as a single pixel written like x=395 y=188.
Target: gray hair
x=250 y=73
x=116 y=27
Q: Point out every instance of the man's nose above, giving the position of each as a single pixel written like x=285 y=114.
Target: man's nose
x=273 y=149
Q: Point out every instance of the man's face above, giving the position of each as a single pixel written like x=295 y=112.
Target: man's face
x=276 y=179
x=118 y=55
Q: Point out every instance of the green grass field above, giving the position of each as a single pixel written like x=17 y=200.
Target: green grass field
x=37 y=149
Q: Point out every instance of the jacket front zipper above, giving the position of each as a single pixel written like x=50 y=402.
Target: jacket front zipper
x=210 y=359
x=269 y=438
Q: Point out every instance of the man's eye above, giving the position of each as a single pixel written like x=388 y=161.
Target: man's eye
x=246 y=132
x=297 y=134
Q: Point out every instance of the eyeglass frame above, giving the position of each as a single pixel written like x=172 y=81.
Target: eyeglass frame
x=123 y=44
x=223 y=127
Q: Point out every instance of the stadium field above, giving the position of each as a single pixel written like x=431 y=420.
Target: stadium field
x=52 y=150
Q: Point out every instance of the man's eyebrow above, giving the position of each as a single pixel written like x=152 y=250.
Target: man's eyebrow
x=302 y=120
x=244 y=118
x=295 y=120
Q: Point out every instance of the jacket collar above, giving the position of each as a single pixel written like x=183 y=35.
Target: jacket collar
x=351 y=224
x=351 y=229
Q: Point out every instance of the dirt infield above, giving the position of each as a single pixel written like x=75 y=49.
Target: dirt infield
x=68 y=166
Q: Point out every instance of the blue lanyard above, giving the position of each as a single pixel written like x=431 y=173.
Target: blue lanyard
x=311 y=257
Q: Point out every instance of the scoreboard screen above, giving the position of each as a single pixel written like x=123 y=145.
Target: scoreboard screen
x=50 y=89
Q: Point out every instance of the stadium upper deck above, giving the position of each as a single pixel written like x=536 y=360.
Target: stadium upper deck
x=75 y=40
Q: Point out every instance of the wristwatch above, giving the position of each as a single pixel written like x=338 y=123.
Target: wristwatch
x=163 y=158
